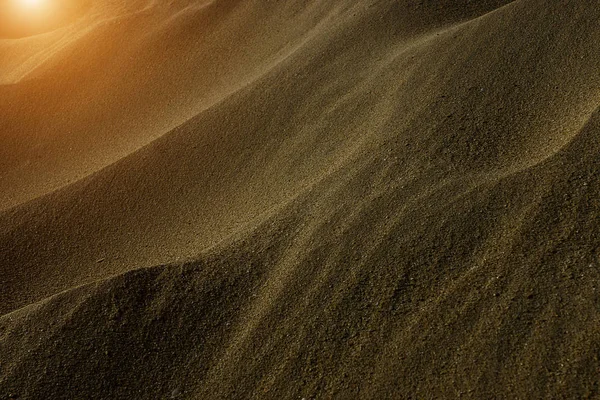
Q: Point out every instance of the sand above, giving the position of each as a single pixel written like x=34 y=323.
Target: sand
x=301 y=199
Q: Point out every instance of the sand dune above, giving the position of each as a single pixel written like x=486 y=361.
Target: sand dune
x=301 y=199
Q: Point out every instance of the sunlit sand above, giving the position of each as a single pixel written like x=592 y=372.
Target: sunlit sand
x=336 y=199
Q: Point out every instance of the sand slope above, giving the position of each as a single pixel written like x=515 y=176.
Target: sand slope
x=297 y=199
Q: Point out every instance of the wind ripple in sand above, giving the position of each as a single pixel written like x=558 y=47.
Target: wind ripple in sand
x=299 y=199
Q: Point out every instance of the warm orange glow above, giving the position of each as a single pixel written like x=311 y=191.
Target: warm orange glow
x=23 y=18
x=33 y=8
x=31 y=4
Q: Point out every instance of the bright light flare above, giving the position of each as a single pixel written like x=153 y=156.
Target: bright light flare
x=31 y=6
x=31 y=3
x=23 y=18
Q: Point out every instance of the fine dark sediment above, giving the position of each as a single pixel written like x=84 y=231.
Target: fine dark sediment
x=302 y=199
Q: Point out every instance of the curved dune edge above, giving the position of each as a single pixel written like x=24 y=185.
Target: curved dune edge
x=112 y=55
x=383 y=210
x=206 y=321
x=101 y=56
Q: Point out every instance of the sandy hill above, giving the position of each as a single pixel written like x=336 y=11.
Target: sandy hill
x=301 y=199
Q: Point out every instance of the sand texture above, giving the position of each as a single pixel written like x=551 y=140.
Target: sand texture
x=301 y=199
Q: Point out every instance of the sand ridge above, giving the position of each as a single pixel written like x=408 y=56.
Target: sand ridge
x=297 y=199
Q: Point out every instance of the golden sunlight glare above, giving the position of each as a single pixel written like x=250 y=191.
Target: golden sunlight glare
x=30 y=3
x=22 y=18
